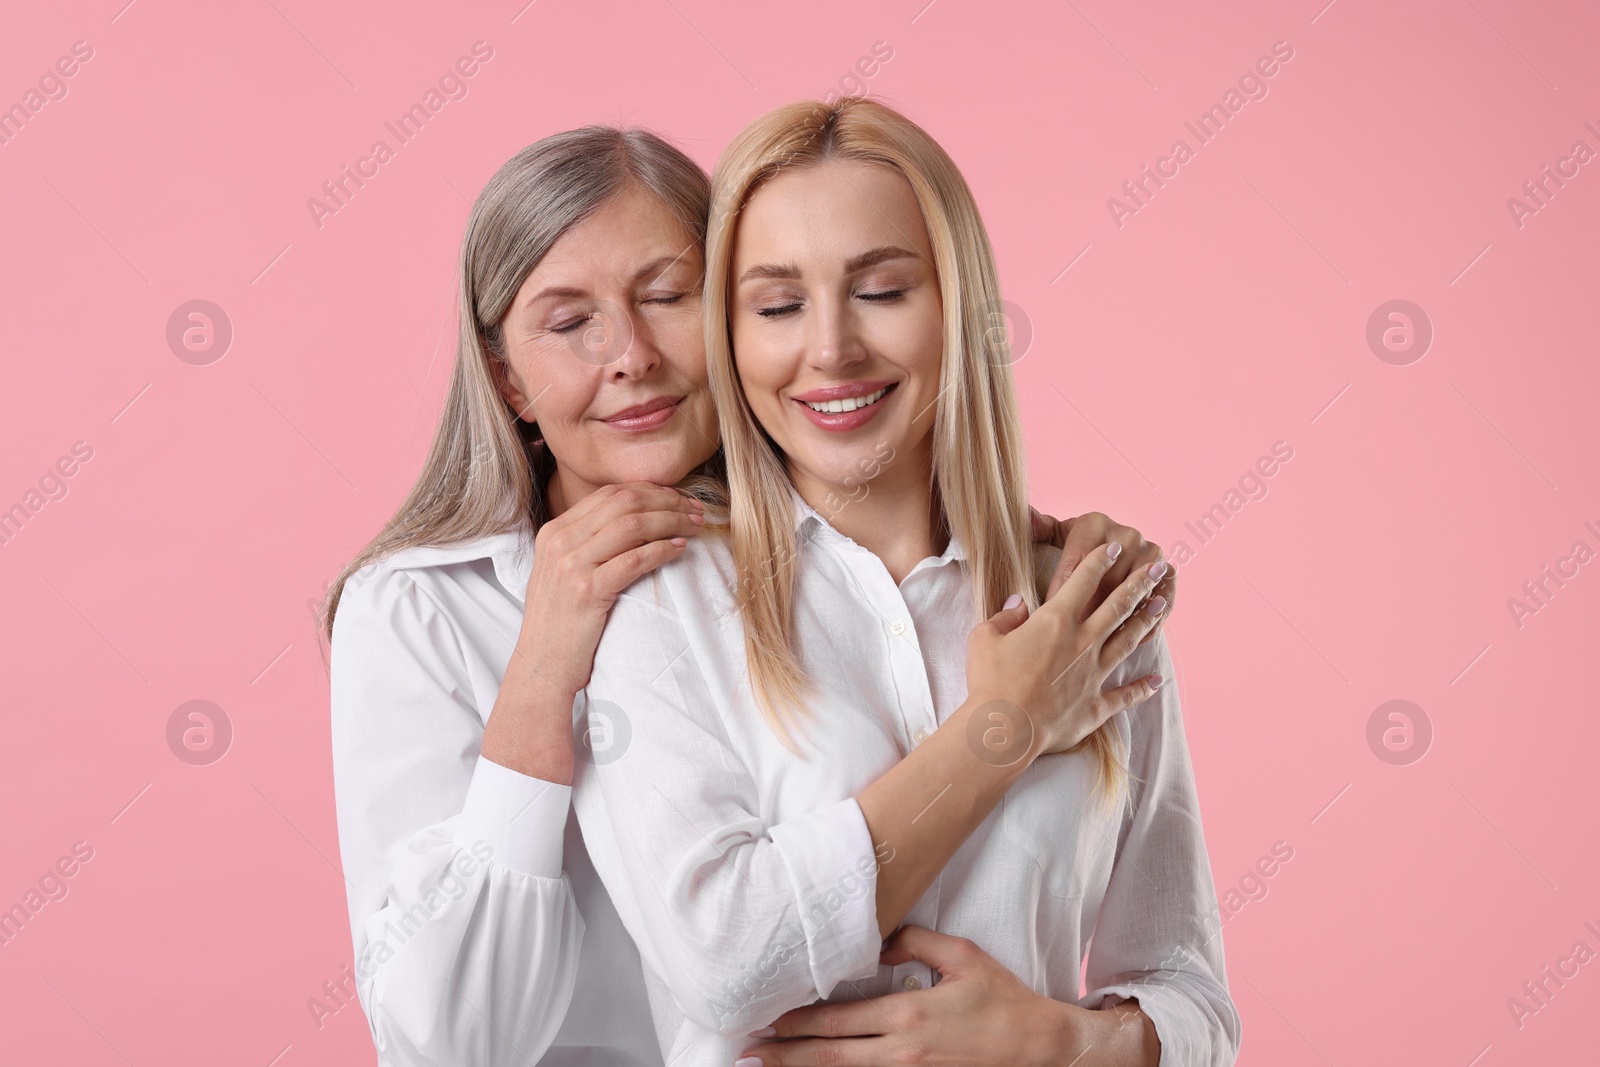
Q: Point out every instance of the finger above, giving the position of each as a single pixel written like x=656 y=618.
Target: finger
x=1167 y=588
x=1131 y=634
x=855 y=1018
x=628 y=567
x=1116 y=701
x=635 y=528
x=609 y=503
x=1010 y=616
x=844 y=1052
x=1087 y=533
x=1071 y=599
x=1140 y=553
x=1123 y=600
x=943 y=952
x=1047 y=529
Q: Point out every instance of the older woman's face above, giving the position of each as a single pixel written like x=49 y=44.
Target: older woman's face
x=606 y=353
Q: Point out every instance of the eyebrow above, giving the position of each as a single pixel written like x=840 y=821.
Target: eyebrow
x=652 y=270
x=870 y=258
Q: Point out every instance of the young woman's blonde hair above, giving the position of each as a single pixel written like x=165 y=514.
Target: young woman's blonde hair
x=979 y=478
x=486 y=471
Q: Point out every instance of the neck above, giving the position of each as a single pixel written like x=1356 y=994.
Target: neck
x=561 y=493
x=894 y=515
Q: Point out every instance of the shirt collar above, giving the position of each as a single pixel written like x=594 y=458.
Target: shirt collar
x=808 y=522
x=510 y=552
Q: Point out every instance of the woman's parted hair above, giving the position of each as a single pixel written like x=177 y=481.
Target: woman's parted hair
x=486 y=470
x=978 y=469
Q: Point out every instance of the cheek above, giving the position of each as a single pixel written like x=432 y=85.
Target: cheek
x=684 y=351
x=561 y=387
x=762 y=371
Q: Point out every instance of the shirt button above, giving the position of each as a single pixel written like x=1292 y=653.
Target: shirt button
x=897 y=627
x=912 y=982
x=920 y=736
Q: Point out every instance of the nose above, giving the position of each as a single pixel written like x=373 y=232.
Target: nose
x=616 y=342
x=834 y=343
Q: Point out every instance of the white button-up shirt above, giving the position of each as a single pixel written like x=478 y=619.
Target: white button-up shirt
x=747 y=876
x=472 y=945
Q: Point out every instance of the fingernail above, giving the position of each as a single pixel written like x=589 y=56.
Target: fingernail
x=747 y=1061
x=1011 y=601
x=1157 y=605
x=697 y=518
x=1158 y=568
x=765 y=1031
x=680 y=541
x=1113 y=550
x=1155 y=681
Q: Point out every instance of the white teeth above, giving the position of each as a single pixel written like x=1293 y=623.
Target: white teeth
x=839 y=407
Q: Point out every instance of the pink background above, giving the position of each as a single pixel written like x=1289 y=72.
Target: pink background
x=1228 y=314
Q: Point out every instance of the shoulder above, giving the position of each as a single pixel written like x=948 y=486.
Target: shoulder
x=701 y=581
x=423 y=581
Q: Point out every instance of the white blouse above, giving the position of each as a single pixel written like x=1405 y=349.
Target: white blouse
x=472 y=945
x=747 y=877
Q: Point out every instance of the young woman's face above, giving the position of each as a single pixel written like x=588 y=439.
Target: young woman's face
x=837 y=322
x=606 y=351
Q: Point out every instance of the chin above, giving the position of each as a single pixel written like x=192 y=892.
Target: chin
x=667 y=466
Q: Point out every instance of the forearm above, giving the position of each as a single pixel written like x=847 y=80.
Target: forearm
x=530 y=727
x=1122 y=1036
x=924 y=808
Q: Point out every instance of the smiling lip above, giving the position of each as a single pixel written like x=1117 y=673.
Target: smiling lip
x=645 y=416
x=844 y=421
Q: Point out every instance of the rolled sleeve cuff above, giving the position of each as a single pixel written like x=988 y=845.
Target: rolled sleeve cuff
x=834 y=870
x=1188 y=1037
x=523 y=820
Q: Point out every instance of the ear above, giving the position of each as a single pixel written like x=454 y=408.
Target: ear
x=510 y=390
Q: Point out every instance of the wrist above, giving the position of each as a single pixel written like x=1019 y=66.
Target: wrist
x=1000 y=733
x=530 y=728
x=1062 y=1038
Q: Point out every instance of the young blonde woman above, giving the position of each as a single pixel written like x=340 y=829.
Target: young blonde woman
x=833 y=631
x=462 y=632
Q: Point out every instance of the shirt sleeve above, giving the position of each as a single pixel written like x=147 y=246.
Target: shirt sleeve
x=465 y=930
x=1159 y=936
x=740 y=920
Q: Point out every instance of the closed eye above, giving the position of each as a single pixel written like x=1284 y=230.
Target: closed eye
x=774 y=312
x=673 y=299
x=887 y=295
x=569 y=327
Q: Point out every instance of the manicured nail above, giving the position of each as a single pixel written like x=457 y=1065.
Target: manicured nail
x=1158 y=568
x=1155 y=681
x=748 y=1061
x=680 y=541
x=697 y=518
x=1011 y=601
x=765 y=1031
x=1113 y=550
x=1157 y=605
